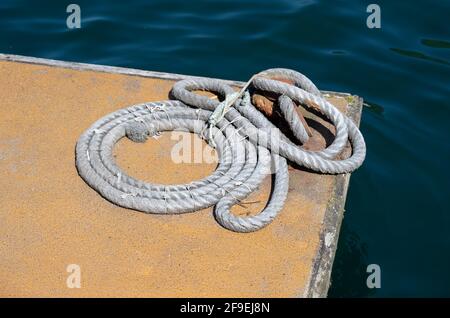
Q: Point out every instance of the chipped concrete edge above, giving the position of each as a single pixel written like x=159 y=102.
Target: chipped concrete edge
x=117 y=70
x=102 y=68
x=319 y=281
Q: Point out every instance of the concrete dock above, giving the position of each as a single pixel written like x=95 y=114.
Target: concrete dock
x=50 y=218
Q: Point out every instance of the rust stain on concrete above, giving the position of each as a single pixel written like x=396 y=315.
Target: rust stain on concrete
x=50 y=218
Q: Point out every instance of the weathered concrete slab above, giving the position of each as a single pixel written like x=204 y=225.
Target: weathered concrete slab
x=50 y=218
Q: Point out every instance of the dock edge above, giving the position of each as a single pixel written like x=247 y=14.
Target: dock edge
x=319 y=280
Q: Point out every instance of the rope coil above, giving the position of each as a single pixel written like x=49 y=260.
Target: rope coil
x=242 y=136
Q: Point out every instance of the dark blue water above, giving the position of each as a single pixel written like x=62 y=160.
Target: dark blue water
x=397 y=211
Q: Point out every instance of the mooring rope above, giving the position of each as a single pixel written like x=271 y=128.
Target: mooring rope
x=242 y=136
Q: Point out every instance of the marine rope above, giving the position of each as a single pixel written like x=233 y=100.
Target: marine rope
x=249 y=146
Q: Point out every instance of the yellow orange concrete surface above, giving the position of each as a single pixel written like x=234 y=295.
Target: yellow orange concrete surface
x=50 y=218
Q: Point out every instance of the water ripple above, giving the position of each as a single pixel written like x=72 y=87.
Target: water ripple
x=397 y=205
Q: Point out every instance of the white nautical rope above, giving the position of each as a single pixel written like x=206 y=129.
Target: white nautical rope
x=241 y=136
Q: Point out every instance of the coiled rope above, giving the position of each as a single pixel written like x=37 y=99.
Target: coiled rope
x=242 y=136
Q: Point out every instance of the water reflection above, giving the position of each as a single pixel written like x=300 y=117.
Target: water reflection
x=419 y=55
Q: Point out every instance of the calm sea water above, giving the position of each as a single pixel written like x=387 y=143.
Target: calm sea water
x=397 y=211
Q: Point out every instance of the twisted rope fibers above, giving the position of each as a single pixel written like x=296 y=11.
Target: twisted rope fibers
x=242 y=136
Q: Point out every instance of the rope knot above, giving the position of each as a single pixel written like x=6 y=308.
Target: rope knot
x=222 y=108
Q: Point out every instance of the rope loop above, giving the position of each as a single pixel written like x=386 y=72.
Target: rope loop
x=244 y=162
